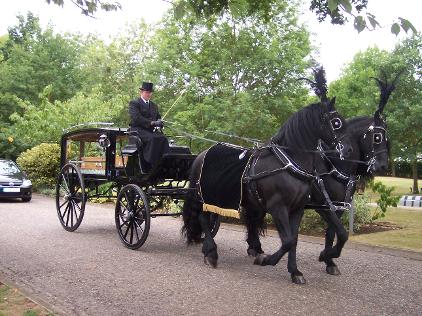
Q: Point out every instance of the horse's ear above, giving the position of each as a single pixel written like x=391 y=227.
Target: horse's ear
x=331 y=104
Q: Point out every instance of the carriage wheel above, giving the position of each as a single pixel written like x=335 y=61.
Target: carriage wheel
x=132 y=216
x=215 y=220
x=70 y=197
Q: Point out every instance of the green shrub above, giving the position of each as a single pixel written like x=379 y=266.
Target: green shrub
x=313 y=223
x=42 y=164
x=362 y=212
x=385 y=199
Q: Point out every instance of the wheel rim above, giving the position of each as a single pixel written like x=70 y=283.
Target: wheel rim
x=70 y=199
x=132 y=216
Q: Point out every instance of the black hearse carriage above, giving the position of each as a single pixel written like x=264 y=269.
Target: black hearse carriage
x=98 y=162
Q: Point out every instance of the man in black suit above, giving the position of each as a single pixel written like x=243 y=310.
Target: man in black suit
x=146 y=120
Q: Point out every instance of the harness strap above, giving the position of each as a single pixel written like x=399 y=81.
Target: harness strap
x=321 y=185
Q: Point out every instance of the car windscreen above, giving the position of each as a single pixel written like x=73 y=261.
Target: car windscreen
x=8 y=168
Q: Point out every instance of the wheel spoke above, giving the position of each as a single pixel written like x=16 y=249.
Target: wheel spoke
x=138 y=198
x=71 y=214
x=124 y=206
x=136 y=230
x=131 y=232
x=127 y=230
x=65 y=211
x=63 y=204
x=66 y=188
x=139 y=225
x=77 y=205
x=74 y=209
x=68 y=215
x=124 y=223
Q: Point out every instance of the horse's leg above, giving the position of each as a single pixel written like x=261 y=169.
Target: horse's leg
x=254 y=221
x=331 y=267
x=281 y=220
x=209 y=247
x=296 y=275
x=336 y=225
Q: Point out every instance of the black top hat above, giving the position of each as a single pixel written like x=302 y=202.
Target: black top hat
x=147 y=86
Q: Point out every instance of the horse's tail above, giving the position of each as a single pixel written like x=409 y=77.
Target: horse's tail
x=192 y=207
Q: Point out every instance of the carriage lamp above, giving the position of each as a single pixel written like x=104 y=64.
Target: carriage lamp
x=104 y=142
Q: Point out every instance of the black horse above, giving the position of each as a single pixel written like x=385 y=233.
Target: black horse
x=277 y=179
x=371 y=151
x=338 y=178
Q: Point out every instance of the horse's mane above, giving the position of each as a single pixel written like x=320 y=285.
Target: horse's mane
x=302 y=129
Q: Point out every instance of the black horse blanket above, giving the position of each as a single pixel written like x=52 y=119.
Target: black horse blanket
x=221 y=178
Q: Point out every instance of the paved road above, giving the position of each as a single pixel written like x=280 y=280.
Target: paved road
x=89 y=272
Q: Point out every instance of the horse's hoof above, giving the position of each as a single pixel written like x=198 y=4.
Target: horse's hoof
x=298 y=279
x=333 y=270
x=254 y=253
x=211 y=261
x=322 y=256
x=260 y=260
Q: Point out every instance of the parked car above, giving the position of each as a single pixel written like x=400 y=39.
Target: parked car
x=13 y=182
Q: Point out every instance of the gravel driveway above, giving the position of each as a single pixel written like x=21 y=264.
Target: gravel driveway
x=89 y=272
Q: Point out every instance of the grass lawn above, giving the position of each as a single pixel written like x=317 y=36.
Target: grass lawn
x=13 y=303
x=409 y=237
x=401 y=186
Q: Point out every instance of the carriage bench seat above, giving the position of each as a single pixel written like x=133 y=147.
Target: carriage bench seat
x=174 y=150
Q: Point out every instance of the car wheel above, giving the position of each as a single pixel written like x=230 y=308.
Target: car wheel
x=26 y=199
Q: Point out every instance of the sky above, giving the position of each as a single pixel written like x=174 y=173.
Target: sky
x=337 y=44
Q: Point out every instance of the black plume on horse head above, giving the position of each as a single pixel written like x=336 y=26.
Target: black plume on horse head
x=386 y=88
x=319 y=85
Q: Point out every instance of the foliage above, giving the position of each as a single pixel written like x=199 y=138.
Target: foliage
x=312 y=222
x=385 y=199
x=9 y=146
x=34 y=59
x=90 y=7
x=41 y=163
x=51 y=119
x=235 y=70
x=339 y=11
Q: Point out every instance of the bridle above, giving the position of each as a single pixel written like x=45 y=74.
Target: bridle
x=336 y=124
x=377 y=139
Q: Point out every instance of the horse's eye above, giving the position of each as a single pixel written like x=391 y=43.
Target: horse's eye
x=377 y=138
x=336 y=123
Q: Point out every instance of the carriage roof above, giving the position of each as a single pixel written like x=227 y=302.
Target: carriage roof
x=91 y=134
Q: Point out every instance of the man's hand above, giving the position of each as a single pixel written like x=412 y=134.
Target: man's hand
x=157 y=123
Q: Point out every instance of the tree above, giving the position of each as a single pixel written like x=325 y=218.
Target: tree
x=357 y=94
x=34 y=59
x=339 y=11
x=240 y=72
x=406 y=116
x=51 y=118
x=90 y=7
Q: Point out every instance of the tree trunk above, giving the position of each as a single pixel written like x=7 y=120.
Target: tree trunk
x=415 y=176
x=393 y=168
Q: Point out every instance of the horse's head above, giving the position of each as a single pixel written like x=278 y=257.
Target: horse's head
x=333 y=129
x=333 y=125
x=375 y=145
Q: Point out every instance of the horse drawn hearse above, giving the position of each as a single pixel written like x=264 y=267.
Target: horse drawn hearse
x=312 y=161
x=107 y=162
